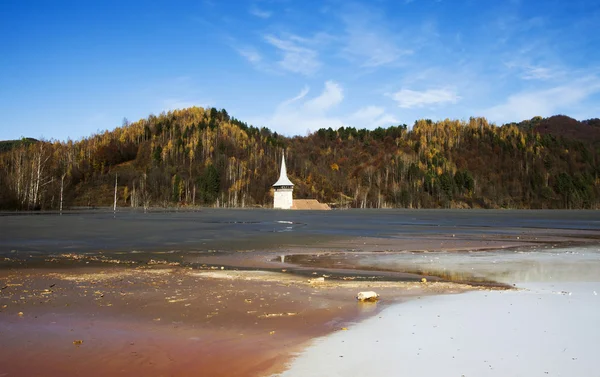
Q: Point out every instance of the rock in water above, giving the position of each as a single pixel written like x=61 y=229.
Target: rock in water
x=367 y=296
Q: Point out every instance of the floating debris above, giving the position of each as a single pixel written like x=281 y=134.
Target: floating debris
x=178 y=300
x=272 y=315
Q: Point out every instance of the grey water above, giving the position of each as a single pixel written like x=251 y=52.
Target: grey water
x=568 y=264
x=129 y=233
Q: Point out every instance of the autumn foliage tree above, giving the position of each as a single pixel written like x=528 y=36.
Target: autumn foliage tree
x=206 y=157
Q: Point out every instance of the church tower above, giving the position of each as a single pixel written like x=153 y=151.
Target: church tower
x=283 y=189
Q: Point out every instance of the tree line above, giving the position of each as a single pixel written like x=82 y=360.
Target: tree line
x=205 y=157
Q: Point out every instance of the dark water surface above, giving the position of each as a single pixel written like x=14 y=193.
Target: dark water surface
x=230 y=228
x=131 y=232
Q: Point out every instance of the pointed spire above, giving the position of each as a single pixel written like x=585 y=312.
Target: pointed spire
x=283 y=168
x=283 y=178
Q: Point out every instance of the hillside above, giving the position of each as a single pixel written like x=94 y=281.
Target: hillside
x=587 y=131
x=7 y=145
x=205 y=157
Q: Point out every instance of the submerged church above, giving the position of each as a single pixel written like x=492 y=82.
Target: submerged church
x=283 y=199
x=283 y=189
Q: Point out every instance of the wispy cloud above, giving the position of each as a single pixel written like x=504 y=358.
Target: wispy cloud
x=251 y=54
x=409 y=99
x=331 y=96
x=299 y=114
x=546 y=102
x=371 y=117
x=296 y=57
x=528 y=71
x=255 y=11
x=293 y=53
x=300 y=95
x=538 y=73
x=368 y=40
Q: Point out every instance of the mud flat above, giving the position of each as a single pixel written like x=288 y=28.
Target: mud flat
x=174 y=321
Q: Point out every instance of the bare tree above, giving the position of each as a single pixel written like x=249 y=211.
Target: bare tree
x=145 y=195
x=62 y=185
x=115 y=202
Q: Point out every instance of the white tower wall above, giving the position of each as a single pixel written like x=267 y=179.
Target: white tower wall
x=283 y=198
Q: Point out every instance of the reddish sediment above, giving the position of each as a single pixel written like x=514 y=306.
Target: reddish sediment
x=174 y=321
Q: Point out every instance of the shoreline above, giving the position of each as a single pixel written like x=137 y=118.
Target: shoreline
x=222 y=322
x=548 y=325
x=246 y=309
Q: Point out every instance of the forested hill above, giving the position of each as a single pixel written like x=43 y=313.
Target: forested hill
x=7 y=145
x=205 y=157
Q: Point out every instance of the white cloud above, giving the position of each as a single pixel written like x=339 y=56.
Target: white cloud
x=299 y=124
x=371 y=117
x=255 y=11
x=300 y=95
x=331 y=96
x=409 y=99
x=250 y=54
x=546 y=102
x=296 y=54
x=299 y=114
x=296 y=58
x=538 y=73
x=528 y=71
x=371 y=48
x=368 y=112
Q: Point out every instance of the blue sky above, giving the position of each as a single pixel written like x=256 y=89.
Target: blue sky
x=73 y=68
